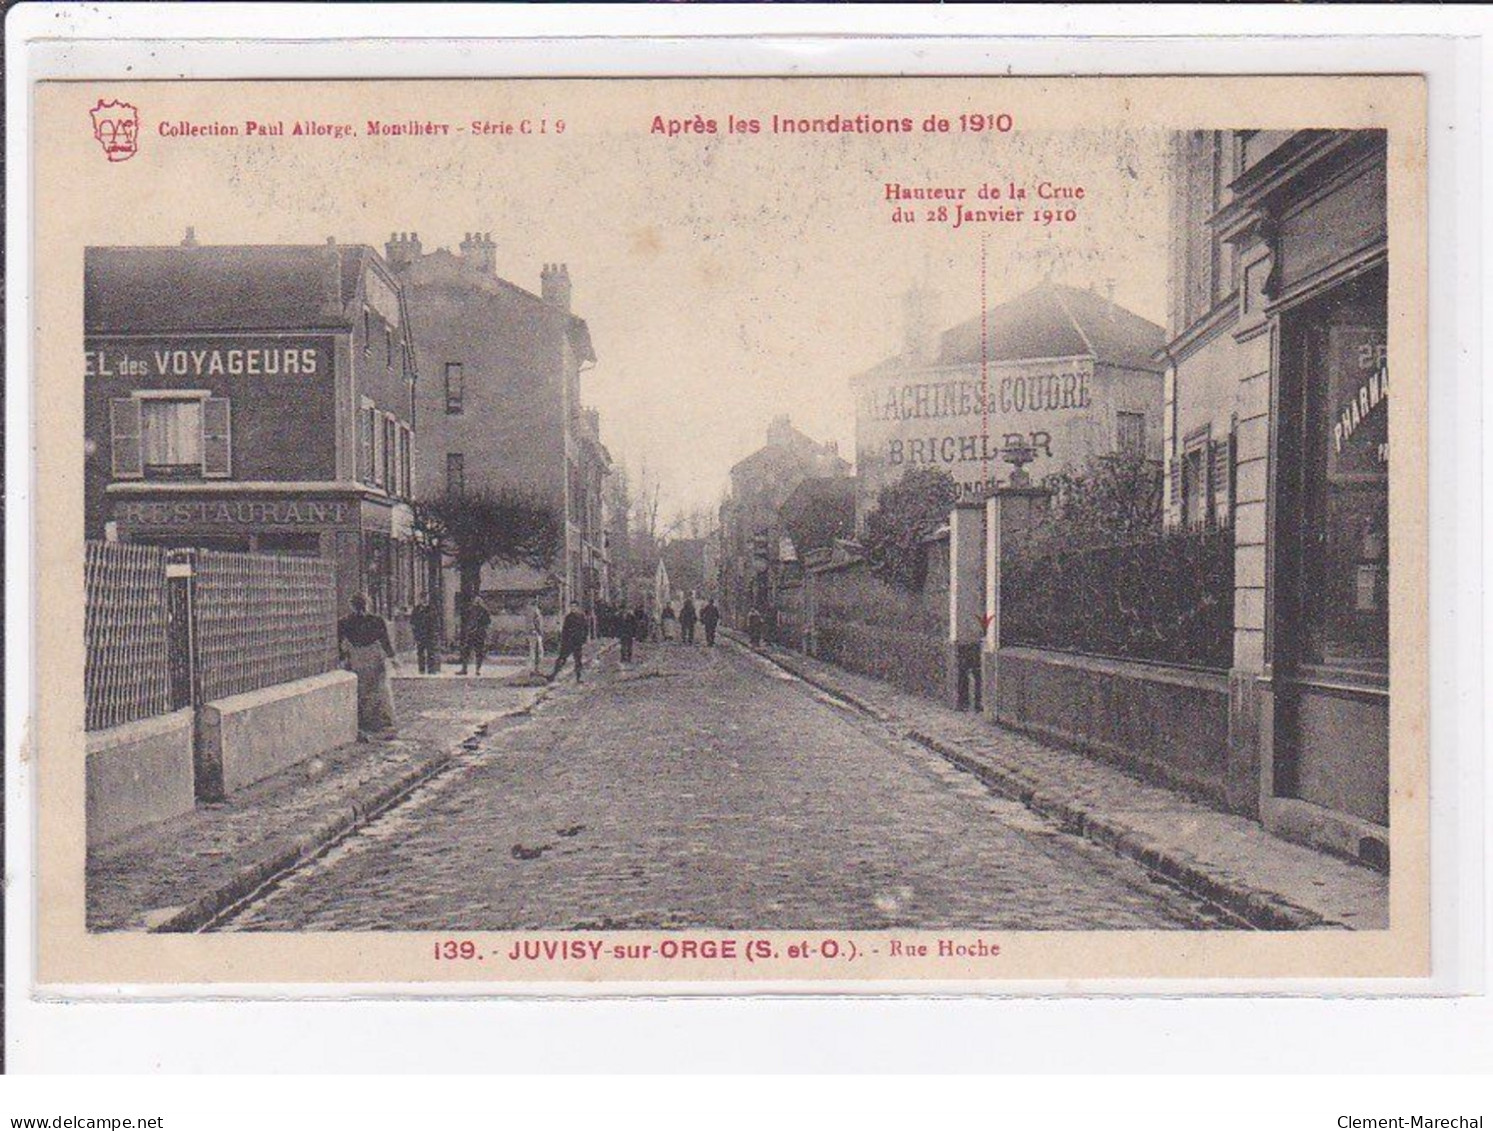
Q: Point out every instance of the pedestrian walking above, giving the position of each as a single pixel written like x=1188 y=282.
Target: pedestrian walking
x=363 y=641
x=754 y=628
x=641 y=625
x=687 y=619
x=627 y=629
x=425 y=623
x=536 y=636
x=475 y=622
x=669 y=623
x=710 y=616
x=573 y=633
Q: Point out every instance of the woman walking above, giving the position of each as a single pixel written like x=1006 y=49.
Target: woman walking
x=668 y=623
x=363 y=640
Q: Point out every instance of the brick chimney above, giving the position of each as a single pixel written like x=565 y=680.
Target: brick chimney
x=402 y=249
x=479 y=250
x=190 y=239
x=780 y=432
x=554 y=285
x=331 y=307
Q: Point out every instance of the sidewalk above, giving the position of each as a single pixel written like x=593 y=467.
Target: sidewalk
x=181 y=874
x=1229 y=860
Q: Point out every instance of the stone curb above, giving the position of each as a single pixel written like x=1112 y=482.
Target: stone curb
x=363 y=808
x=1263 y=910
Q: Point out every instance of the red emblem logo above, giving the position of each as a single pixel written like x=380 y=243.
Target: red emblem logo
x=116 y=126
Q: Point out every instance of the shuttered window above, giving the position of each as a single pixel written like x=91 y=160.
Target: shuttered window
x=365 y=443
x=217 y=439
x=407 y=461
x=124 y=438
x=376 y=426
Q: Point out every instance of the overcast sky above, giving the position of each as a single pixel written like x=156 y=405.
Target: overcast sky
x=726 y=280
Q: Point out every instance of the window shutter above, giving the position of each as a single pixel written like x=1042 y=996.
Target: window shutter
x=407 y=446
x=125 y=453
x=217 y=442
x=365 y=442
x=376 y=430
x=1218 y=487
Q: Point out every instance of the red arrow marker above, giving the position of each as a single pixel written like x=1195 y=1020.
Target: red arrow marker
x=986 y=619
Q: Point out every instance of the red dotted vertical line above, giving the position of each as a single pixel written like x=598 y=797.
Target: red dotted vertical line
x=984 y=367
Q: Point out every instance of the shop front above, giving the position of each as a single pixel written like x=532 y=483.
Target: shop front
x=1324 y=721
x=368 y=537
x=1331 y=624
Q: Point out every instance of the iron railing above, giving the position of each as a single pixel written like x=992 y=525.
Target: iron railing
x=262 y=620
x=221 y=624
x=126 y=670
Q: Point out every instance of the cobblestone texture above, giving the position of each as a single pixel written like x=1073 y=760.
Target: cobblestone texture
x=142 y=880
x=708 y=788
x=1227 y=851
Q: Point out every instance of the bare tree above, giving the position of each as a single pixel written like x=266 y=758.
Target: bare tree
x=471 y=529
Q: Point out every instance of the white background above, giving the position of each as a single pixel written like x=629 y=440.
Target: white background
x=1451 y=1032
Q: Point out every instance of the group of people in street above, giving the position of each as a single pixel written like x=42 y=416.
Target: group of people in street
x=671 y=626
x=366 y=649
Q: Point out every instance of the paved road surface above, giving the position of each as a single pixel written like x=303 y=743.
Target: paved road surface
x=706 y=788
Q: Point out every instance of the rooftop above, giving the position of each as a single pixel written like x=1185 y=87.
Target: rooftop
x=189 y=288
x=1051 y=320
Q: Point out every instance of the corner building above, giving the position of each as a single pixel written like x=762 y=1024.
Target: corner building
x=255 y=399
x=1276 y=423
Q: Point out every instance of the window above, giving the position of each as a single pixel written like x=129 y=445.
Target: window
x=388 y=347
x=455 y=388
x=406 y=461
x=367 y=331
x=1197 y=478
x=456 y=476
x=1130 y=433
x=391 y=455
x=165 y=437
x=376 y=424
x=171 y=436
x=1341 y=571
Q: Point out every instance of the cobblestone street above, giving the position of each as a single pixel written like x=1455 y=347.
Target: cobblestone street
x=707 y=788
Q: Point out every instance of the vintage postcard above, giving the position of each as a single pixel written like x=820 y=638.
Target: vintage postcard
x=727 y=534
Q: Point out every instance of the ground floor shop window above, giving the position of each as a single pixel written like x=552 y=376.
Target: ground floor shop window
x=1342 y=566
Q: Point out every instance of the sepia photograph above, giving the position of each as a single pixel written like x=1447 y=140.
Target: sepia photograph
x=847 y=529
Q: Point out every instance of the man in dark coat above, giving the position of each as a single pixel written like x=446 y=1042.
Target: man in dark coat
x=687 y=619
x=754 y=627
x=425 y=623
x=573 y=633
x=710 y=616
x=475 y=621
x=627 y=630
